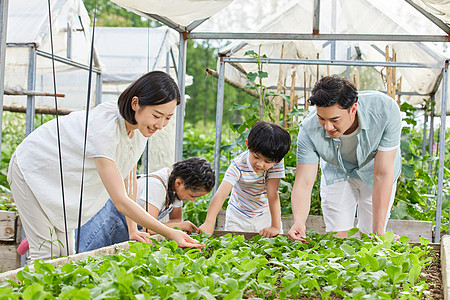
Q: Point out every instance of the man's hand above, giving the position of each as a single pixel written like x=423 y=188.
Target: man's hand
x=140 y=236
x=207 y=228
x=269 y=232
x=298 y=232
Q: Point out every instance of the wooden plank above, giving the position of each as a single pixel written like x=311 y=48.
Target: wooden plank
x=10 y=259
x=8 y=226
x=412 y=228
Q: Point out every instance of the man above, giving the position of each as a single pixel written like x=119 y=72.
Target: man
x=356 y=138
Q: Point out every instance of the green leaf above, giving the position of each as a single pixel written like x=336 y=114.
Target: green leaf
x=233 y=295
x=352 y=232
x=414 y=274
x=348 y=249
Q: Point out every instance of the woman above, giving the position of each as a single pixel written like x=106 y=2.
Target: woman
x=116 y=138
x=167 y=188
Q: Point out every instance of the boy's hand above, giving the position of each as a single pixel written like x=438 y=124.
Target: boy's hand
x=206 y=227
x=298 y=232
x=269 y=232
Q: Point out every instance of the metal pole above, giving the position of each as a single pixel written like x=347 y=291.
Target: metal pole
x=219 y=117
x=98 y=89
x=437 y=232
x=69 y=41
x=3 y=22
x=424 y=136
x=168 y=62
x=181 y=107
x=349 y=56
x=31 y=86
x=431 y=135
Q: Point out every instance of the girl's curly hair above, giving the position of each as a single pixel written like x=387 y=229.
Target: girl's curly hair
x=196 y=173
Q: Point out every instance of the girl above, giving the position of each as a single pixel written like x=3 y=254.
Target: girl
x=116 y=138
x=189 y=179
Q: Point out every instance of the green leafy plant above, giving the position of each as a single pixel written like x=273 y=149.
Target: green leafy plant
x=230 y=267
x=51 y=241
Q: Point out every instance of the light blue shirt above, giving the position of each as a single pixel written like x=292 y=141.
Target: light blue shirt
x=381 y=125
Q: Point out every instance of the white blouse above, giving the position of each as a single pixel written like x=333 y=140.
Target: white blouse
x=37 y=158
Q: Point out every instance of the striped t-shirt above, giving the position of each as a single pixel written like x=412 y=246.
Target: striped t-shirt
x=249 y=193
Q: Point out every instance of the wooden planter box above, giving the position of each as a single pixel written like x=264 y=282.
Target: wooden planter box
x=10 y=237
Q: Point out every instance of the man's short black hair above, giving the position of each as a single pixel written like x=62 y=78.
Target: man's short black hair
x=333 y=89
x=153 y=88
x=270 y=140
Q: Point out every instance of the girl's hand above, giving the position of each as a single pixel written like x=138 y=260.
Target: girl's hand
x=183 y=240
x=188 y=227
x=140 y=236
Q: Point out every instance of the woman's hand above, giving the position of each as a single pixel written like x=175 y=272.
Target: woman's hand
x=183 y=240
x=140 y=236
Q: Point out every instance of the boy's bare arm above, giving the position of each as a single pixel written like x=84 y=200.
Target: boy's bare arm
x=215 y=206
x=275 y=208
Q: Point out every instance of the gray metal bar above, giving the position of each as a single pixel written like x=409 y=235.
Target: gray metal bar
x=349 y=56
x=168 y=62
x=3 y=22
x=181 y=107
x=301 y=88
x=98 y=89
x=173 y=61
x=166 y=22
x=424 y=136
x=437 y=235
x=330 y=62
x=431 y=17
x=66 y=61
x=219 y=117
x=69 y=41
x=316 y=17
x=30 y=86
x=431 y=135
x=307 y=36
x=159 y=51
x=195 y=24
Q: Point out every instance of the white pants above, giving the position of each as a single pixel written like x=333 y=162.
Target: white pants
x=235 y=221
x=341 y=200
x=38 y=228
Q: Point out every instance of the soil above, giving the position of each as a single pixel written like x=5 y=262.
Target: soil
x=433 y=277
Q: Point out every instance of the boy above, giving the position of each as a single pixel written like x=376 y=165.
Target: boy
x=253 y=179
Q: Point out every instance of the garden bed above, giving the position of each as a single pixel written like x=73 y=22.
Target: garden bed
x=10 y=234
x=231 y=267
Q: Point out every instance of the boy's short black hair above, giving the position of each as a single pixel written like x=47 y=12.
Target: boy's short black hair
x=270 y=140
x=330 y=90
x=153 y=88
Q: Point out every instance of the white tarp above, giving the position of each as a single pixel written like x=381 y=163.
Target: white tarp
x=28 y=23
x=182 y=12
x=351 y=17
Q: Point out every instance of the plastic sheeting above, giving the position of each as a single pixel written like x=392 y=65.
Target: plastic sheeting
x=182 y=12
x=351 y=17
x=28 y=24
